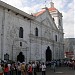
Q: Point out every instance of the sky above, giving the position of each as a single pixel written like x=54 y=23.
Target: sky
x=66 y=7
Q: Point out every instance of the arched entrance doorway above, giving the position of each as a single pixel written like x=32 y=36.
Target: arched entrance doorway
x=48 y=54
x=20 y=57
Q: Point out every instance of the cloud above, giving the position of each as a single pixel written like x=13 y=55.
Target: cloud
x=68 y=21
x=64 y=6
x=15 y=3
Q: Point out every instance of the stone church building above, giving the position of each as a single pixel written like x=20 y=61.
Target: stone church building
x=39 y=36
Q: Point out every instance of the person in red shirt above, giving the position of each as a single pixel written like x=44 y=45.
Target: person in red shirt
x=29 y=69
x=6 y=70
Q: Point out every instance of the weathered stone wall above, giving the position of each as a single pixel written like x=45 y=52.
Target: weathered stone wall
x=33 y=47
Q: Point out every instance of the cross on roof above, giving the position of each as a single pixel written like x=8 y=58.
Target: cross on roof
x=45 y=3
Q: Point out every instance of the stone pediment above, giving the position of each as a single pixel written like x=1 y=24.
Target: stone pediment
x=47 y=20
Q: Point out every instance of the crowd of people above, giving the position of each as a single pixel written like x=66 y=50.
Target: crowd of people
x=70 y=64
x=32 y=67
x=22 y=68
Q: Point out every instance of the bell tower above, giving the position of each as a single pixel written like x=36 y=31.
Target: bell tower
x=56 y=15
x=52 y=4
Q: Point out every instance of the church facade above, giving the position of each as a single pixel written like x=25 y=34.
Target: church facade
x=33 y=35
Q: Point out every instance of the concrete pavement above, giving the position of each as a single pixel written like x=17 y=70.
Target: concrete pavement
x=59 y=71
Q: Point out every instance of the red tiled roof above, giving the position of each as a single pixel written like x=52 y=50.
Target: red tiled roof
x=52 y=9
x=39 y=13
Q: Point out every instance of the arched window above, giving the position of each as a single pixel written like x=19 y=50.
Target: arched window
x=20 y=43
x=53 y=19
x=36 y=31
x=21 y=32
x=56 y=38
x=48 y=54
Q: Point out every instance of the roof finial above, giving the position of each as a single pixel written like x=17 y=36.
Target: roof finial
x=45 y=3
x=52 y=4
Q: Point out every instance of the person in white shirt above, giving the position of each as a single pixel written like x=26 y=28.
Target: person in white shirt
x=43 y=69
x=34 y=68
x=9 y=66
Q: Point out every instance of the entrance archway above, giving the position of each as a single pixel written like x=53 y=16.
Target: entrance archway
x=20 y=57
x=48 y=54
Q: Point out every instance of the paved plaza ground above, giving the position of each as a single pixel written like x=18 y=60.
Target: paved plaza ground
x=59 y=71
